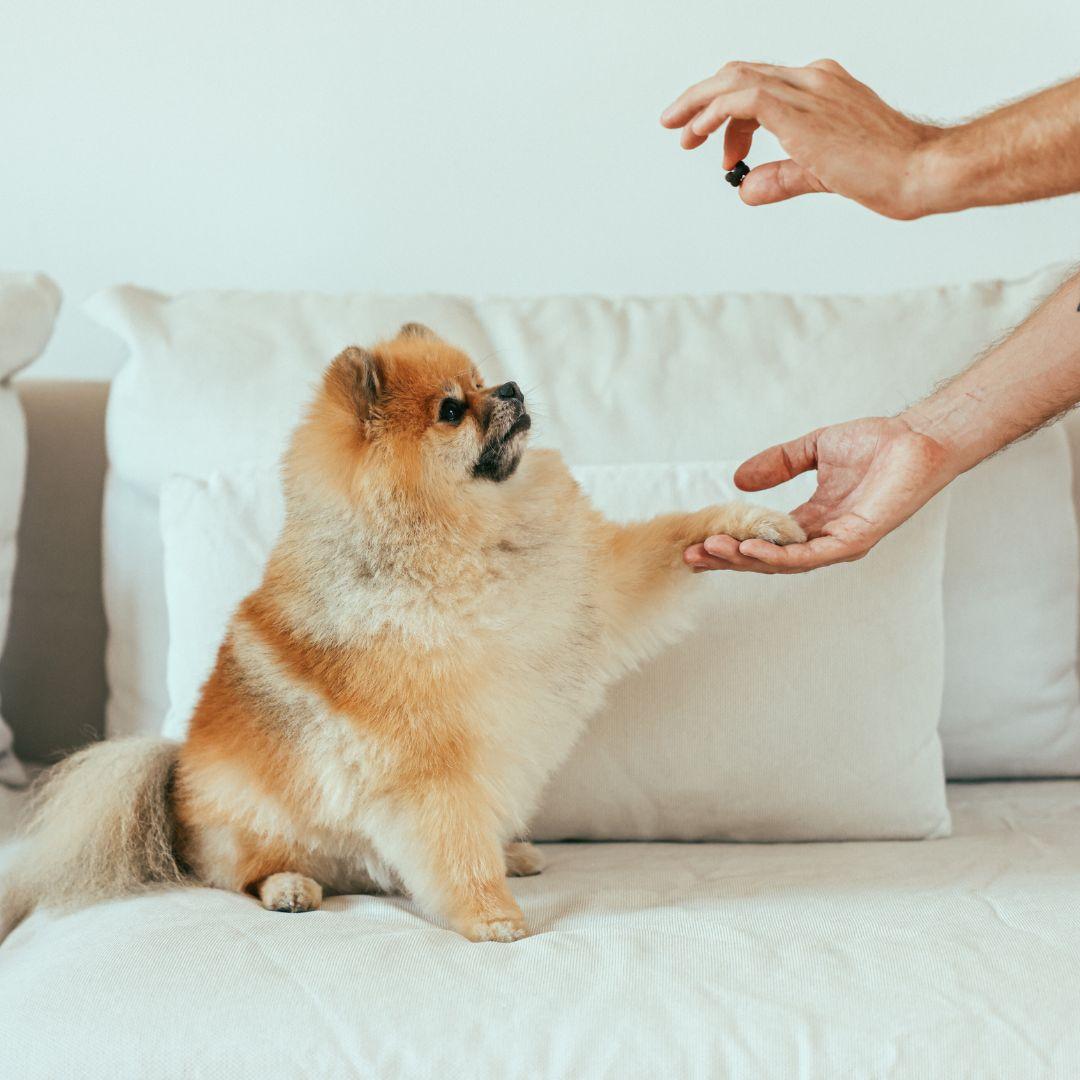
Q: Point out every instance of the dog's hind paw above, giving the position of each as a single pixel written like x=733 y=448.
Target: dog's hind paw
x=523 y=860
x=290 y=892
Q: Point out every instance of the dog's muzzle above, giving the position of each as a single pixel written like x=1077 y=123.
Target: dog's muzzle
x=507 y=419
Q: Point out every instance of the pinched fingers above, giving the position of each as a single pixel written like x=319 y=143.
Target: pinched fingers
x=776 y=181
x=738 y=138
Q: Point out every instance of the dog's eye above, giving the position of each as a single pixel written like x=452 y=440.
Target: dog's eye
x=451 y=411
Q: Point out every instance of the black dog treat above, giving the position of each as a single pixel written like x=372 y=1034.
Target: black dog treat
x=738 y=174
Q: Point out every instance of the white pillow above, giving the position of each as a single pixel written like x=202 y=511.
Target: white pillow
x=1010 y=707
x=217 y=378
x=28 y=306
x=802 y=708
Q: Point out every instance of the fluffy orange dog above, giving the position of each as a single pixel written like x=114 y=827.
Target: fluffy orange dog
x=438 y=619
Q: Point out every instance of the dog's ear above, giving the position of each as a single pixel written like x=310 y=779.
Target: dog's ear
x=418 y=330
x=355 y=376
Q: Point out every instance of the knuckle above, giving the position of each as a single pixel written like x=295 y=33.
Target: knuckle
x=741 y=70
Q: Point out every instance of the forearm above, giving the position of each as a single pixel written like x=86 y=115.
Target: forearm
x=1027 y=150
x=1027 y=380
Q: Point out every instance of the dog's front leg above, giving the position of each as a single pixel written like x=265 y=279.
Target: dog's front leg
x=642 y=574
x=445 y=846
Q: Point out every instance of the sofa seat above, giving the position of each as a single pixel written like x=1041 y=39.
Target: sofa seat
x=948 y=958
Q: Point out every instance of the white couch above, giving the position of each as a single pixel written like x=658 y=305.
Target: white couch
x=945 y=958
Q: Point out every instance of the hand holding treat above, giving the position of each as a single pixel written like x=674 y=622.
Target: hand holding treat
x=841 y=137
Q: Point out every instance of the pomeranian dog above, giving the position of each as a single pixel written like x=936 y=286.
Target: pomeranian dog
x=436 y=623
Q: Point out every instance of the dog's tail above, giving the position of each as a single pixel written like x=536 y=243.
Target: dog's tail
x=101 y=825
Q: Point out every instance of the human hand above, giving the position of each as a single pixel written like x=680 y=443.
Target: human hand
x=838 y=134
x=873 y=474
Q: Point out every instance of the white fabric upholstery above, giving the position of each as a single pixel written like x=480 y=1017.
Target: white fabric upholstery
x=705 y=742
x=954 y=958
x=217 y=380
x=28 y=306
x=1010 y=706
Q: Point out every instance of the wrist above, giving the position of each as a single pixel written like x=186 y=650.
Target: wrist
x=951 y=424
x=939 y=176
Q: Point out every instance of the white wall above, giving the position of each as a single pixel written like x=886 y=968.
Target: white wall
x=469 y=147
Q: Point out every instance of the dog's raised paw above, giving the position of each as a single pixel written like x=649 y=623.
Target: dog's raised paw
x=744 y=521
x=777 y=528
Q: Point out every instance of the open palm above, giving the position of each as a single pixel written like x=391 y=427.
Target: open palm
x=873 y=474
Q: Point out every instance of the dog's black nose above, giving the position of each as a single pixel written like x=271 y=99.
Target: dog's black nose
x=510 y=390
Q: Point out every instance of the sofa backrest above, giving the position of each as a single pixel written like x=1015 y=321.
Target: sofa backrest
x=52 y=673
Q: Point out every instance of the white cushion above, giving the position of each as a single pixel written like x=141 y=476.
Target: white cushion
x=944 y=960
x=28 y=306
x=1010 y=706
x=798 y=710
x=219 y=378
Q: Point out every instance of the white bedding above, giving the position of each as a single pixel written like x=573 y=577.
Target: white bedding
x=949 y=958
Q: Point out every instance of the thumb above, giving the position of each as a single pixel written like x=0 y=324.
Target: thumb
x=776 y=181
x=778 y=464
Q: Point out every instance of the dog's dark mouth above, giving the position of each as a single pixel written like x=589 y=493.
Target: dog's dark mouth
x=500 y=457
x=522 y=423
